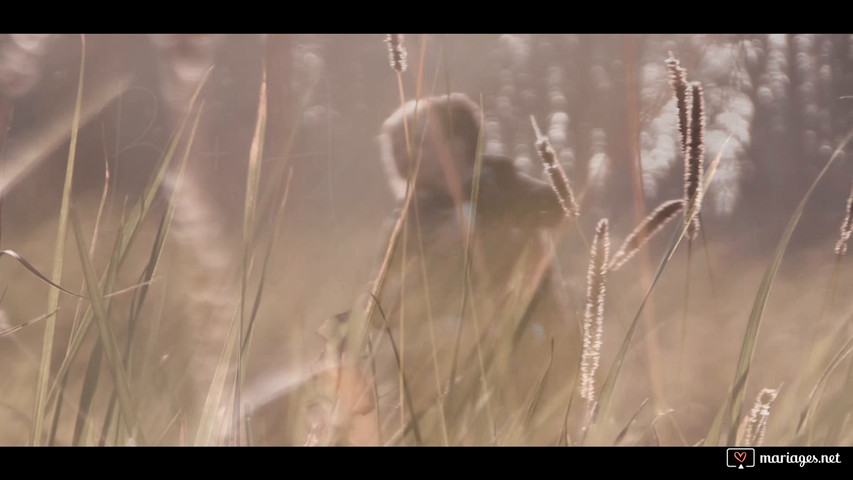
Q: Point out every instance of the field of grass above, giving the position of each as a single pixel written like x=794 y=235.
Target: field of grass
x=233 y=270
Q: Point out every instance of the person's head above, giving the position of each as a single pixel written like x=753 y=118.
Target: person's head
x=444 y=133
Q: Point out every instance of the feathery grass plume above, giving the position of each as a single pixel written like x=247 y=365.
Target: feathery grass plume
x=756 y=422
x=648 y=227
x=693 y=157
x=396 y=51
x=846 y=227
x=678 y=80
x=556 y=175
x=593 y=321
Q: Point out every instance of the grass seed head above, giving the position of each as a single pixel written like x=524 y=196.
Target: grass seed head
x=396 y=52
x=556 y=175
x=846 y=228
x=756 y=422
x=593 y=323
x=678 y=80
x=693 y=159
x=647 y=228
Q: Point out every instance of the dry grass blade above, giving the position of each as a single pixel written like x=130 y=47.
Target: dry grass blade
x=83 y=422
x=647 y=228
x=280 y=175
x=165 y=222
x=253 y=176
x=843 y=403
x=140 y=210
x=77 y=336
x=279 y=218
x=244 y=347
x=95 y=232
x=751 y=335
x=407 y=397
x=536 y=395
x=107 y=338
x=814 y=396
x=256 y=152
x=148 y=360
x=247 y=338
x=431 y=324
x=279 y=171
x=78 y=331
x=209 y=422
x=6 y=112
x=58 y=260
x=11 y=330
x=564 y=439
x=34 y=270
x=141 y=289
x=624 y=431
x=466 y=291
x=361 y=320
x=127 y=233
x=90 y=381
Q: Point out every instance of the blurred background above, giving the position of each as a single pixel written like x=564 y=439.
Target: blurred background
x=784 y=102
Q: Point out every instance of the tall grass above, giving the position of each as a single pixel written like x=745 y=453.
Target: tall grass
x=120 y=248
x=58 y=259
x=735 y=401
x=505 y=375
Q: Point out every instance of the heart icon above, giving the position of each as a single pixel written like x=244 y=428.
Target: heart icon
x=740 y=456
